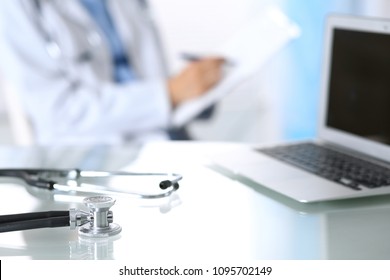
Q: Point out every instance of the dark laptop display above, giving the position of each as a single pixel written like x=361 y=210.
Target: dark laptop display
x=359 y=89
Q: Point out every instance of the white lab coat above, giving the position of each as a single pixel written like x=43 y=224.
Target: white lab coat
x=68 y=101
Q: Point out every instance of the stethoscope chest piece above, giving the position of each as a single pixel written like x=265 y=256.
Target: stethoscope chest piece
x=100 y=223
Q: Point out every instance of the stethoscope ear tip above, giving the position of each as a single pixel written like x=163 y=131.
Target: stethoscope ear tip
x=167 y=183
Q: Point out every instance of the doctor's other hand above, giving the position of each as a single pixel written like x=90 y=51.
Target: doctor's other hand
x=195 y=80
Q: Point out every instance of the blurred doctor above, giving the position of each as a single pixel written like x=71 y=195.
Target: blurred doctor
x=93 y=71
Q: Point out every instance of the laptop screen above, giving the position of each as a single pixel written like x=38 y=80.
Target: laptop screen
x=359 y=86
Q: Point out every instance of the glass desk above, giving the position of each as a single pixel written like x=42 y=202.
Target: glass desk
x=213 y=216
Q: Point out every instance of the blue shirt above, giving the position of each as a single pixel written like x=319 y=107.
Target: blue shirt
x=100 y=13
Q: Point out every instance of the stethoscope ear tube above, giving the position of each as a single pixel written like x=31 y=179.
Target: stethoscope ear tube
x=30 y=176
x=56 y=179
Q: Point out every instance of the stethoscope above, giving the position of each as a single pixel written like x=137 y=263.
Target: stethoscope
x=53 y=48
x=98 y=222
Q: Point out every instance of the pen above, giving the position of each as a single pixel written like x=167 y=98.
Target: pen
x=191 y=57
x=195 y=57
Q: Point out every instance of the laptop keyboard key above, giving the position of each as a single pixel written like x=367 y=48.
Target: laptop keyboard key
x=349 y=183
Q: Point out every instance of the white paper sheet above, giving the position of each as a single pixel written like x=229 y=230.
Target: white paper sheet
x=247 y=51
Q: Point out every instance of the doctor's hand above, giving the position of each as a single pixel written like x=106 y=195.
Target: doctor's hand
x=195 y=80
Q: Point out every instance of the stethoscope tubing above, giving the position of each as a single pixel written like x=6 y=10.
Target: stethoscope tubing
x=35 y=220
x=46 y=179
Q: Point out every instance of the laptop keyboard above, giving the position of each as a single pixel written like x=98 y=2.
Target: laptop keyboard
x=347 y=170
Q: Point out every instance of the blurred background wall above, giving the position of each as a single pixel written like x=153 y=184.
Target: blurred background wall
x=276 y=103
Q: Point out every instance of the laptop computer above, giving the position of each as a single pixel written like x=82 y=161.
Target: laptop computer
x=351 y=155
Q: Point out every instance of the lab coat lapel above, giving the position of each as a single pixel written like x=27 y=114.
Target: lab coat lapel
x=138 y=31
x=74 y=14
x=74 y=11
x=125 y=21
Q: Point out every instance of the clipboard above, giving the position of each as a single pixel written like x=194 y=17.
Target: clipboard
x=246 y=51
